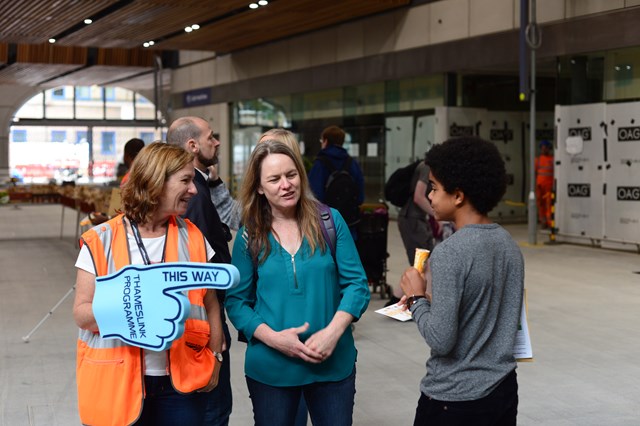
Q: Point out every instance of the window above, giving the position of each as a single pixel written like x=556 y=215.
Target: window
x=110 y=93
x=108 y=143
x=83 y=93
x=58 y=93
x=81 y=136
x=58 y=136
x=147 y=137
x=19 y=135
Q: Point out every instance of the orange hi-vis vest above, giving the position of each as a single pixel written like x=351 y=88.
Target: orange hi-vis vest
x=544 y=169
x=109 y=372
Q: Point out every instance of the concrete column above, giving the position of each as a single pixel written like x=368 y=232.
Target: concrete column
x=11 y=99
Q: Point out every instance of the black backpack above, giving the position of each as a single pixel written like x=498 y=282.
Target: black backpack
x=398 y=189
x=341 y=190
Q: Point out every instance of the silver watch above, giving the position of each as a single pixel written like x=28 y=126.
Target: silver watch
x=218 y=356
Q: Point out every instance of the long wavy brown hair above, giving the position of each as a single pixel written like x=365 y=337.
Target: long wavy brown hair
x=149 y=172
x=256 y=213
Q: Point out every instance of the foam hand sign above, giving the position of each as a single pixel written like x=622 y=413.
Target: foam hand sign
x=144 y=305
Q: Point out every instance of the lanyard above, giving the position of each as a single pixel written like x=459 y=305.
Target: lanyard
x=138 y=238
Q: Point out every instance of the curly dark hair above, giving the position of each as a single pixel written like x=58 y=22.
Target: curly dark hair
x=472 y=165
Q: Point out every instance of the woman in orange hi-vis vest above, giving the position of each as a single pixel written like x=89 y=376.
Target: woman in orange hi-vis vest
x=120 y=384
x=544 y=183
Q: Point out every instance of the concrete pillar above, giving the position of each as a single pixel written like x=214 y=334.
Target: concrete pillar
x=12 y=97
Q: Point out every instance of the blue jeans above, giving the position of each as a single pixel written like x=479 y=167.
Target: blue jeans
x=220 y=400
x=329 y=403
x=164 y=406
x=499 y=408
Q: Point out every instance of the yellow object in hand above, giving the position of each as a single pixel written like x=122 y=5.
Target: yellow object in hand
x=420 y=259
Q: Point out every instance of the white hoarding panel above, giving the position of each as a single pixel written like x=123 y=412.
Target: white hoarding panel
x=504 y=129
x=424 y=135
x=622 y=173
x=454 y=122
x=579 y=176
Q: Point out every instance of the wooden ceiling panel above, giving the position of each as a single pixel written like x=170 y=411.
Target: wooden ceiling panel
x=146 y=20
x=97 y=75
x=32 y=74
x=35 y=21
x=123 y=25
x=276 y=21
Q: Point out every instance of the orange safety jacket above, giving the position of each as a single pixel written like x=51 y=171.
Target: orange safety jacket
x=544 y=169
x=109 y=372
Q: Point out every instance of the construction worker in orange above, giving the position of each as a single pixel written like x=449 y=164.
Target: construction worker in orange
x=544 y=183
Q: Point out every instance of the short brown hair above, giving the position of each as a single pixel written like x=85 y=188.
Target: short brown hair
x=334 y=135
x=149 y=172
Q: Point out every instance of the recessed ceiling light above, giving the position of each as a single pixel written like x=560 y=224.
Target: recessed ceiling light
x=88 y=21
x=253 y=6
x=263 y=2
x=188 y=29
x=52 y=40
x=151 y=42
x=145 y=44
x=195 y=27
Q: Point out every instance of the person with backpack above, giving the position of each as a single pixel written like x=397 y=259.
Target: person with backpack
x=336 y=178
x=295 y=300
x=413 y=218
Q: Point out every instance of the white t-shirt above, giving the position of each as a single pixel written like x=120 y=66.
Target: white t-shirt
x=155 y=362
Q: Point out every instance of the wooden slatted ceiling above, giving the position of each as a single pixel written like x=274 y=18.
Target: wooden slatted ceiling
x=35 y=21
x=32 y=74
x=119 y=35
x=280 y=19
x=98 y=74
x=146 y=20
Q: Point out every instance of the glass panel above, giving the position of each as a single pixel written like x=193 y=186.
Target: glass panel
x=145 y=110
x=147 y=137
x=620 y=78
x=32 y=108
x=108 y=143
x=59 y=102
x=370 y=99
x=18 y=135
x=580 y=79
x=89 y=102
x=325 y=104
x=40 y=160
x=119 y=103
x=58 y=136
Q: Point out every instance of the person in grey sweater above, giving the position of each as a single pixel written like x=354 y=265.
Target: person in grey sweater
x=228 y=208
x=467 y=305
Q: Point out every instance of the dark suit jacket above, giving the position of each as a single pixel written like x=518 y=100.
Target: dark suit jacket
x=204 y=215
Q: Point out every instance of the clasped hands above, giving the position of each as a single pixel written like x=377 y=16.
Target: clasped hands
x=315 y=350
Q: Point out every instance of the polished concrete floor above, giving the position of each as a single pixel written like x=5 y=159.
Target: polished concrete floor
x=584 y=310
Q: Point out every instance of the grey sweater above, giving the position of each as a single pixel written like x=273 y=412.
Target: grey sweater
x=471 y=323
x=227 y=207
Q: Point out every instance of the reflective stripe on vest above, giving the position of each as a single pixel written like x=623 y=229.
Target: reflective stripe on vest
x=110 y=372
x=544 y=166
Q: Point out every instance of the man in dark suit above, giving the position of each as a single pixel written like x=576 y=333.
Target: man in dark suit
x=195 y=135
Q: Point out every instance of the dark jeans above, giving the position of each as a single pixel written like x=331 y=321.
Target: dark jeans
x=220 y=400
x=499 y=408
x=329 y=403
x=164 y=406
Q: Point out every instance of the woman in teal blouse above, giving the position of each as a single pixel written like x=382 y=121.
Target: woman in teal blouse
x=294 y=303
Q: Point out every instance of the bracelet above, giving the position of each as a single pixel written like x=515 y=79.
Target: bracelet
x=413 y=299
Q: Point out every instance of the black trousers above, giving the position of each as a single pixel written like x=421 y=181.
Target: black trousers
x=500 y=407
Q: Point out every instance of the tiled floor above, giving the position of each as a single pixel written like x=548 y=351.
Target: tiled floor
x=584 y=306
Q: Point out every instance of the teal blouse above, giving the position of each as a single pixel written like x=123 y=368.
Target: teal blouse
x=292 y=290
